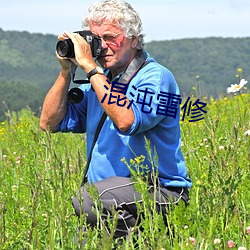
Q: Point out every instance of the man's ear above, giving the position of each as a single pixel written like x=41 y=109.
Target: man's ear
x=134 y=42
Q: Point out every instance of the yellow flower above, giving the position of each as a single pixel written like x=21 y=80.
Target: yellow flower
x=132 y=162
x=138 y=160
x=240 y=70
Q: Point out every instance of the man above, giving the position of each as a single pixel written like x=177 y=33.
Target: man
x=133 y=116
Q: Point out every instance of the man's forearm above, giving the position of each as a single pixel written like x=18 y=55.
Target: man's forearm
x=55 y=103
x=121 y=116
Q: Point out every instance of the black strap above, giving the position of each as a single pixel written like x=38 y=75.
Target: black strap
x=97 y=132
x=136 y=64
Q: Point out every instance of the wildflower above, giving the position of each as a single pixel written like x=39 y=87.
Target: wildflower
x=198 y=182
x=123 y=160
x=137 y=160
x=216 y=241
x=230 y=244
x=237 y=87
x=132 y=162
x=221 y=147
x=240 y=70
x=45 y=216
x=242 y=248
x=248 y=230
x=247 y=133
x=192 y=240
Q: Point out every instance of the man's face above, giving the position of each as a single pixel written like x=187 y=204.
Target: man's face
x=117 y=49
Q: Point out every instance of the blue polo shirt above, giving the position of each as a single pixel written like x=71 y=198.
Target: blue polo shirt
x=154 y=97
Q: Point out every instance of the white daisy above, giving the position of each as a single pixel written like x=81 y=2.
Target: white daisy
x=236 y=87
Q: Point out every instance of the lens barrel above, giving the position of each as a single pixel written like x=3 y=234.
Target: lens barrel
x=75 y=95
x=65 y=48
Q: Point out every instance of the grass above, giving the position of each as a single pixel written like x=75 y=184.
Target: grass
x=40 y=172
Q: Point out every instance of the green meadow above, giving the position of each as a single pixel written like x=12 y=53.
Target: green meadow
x=40 y=172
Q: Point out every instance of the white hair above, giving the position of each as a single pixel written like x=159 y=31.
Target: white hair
x=120 y=13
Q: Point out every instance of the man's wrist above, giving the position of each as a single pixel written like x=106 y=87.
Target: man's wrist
x=65 y=73
x=95 y=71
x=89 y=68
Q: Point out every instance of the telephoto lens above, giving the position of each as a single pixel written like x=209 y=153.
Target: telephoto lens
x=65 y=48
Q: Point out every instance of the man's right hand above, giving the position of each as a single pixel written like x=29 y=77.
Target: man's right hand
x=66 y=63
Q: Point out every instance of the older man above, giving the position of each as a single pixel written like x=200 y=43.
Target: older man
x=137 y=113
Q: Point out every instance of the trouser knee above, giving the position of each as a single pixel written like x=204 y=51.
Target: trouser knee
x=84 y=205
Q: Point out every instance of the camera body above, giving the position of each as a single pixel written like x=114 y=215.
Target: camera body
x=65 y=48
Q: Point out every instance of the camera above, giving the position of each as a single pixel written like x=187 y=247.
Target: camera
x=65 y=48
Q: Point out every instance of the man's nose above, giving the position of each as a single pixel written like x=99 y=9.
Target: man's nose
x=104 y=44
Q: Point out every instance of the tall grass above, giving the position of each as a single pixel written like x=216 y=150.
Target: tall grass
x=40 y=172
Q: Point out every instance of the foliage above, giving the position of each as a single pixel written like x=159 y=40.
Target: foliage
x=210 y=61
x=14 y=95
x=28 y=58
x=28 y=68
x=40 y=172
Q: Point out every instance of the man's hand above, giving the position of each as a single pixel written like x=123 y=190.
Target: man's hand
x=83 y=54
x=66 y=63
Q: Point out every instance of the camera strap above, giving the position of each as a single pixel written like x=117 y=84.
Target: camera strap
x=136 y=64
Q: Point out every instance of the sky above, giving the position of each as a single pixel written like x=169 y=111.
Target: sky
x=161 y=19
